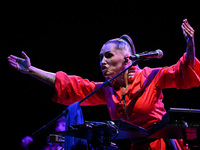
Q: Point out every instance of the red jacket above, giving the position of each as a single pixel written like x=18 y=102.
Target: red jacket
x=144 y=94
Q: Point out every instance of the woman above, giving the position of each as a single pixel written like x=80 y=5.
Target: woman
x=136 y=95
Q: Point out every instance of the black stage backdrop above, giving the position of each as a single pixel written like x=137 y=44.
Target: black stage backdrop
x=68 y=37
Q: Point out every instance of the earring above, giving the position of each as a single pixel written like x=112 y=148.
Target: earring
x=126 y=59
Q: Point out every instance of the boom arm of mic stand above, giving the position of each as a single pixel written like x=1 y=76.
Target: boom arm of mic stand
x=40 y=130
x=107 y=82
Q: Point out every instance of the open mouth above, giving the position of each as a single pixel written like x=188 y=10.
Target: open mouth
x=104 y=69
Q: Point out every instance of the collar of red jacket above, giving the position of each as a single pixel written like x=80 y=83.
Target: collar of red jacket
x=131 y=76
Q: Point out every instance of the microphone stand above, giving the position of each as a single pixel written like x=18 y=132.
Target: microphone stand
x=40 y=130
x=107 y=82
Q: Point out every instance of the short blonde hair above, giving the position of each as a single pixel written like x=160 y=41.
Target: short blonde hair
x=124 y=42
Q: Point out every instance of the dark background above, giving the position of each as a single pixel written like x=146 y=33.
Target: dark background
x=69 y=37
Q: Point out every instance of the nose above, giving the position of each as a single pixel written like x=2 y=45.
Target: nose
x=103 y=61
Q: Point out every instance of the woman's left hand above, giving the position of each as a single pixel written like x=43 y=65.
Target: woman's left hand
x=188 y=33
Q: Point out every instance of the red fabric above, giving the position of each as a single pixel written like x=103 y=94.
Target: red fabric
x=143 y=99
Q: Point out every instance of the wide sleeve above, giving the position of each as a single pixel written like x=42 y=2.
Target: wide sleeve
x=180 y=75
x=70 y=89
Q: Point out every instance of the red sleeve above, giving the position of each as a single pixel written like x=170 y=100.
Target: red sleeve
x=180 y=75
x=70 y=89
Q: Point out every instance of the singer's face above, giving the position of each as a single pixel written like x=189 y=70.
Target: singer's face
x=111 y=60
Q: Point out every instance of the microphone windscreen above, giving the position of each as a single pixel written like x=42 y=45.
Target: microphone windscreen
x=160 y=53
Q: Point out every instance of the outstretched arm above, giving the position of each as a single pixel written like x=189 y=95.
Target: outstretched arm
x=24 y=66
x=188 y=33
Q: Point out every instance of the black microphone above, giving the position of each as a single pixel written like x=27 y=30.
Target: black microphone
x=147 y=55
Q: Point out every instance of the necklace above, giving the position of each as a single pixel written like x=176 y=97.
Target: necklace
x=124 y=101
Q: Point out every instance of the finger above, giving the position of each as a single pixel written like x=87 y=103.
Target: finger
x=24 y=55
x=12 y=60
x=185 y=22
x=14 y=65
x=13 y=57
x=188 y=31
x=183 y=31
x=189 y=27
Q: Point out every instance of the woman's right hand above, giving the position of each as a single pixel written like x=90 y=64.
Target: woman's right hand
x=20 y=64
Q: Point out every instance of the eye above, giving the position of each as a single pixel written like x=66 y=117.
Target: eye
x=108 y=55
x=100 y=56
